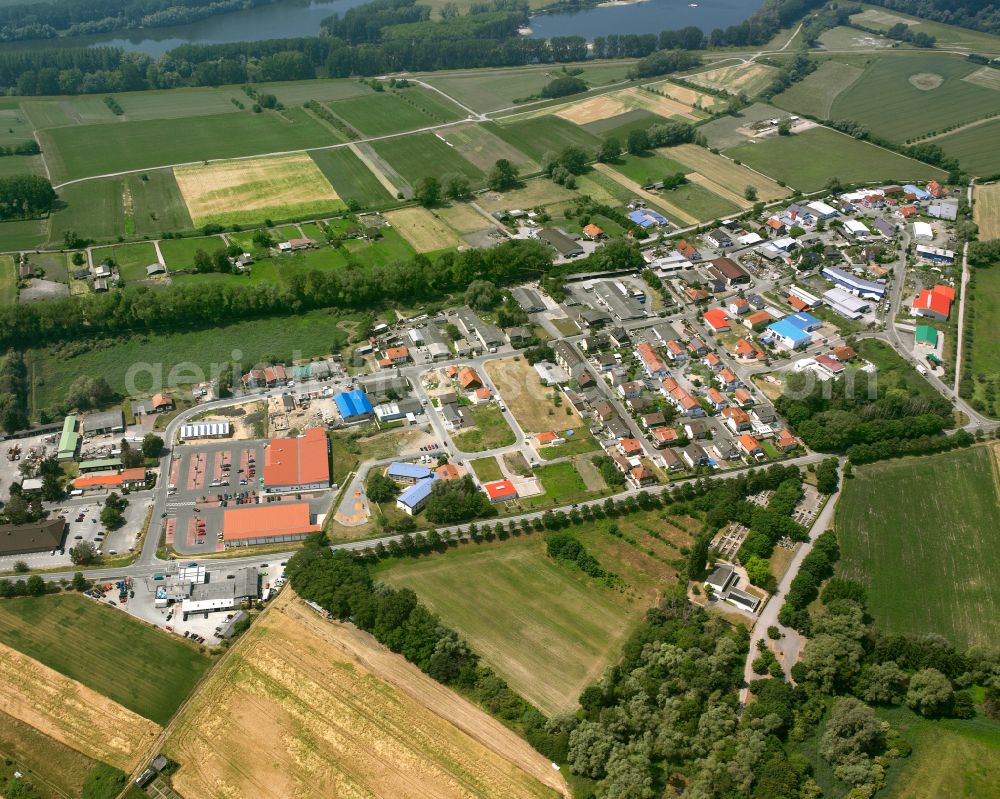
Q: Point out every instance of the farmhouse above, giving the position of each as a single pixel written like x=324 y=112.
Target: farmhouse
x=42 y=536
x=297 y=464
x=267 y=524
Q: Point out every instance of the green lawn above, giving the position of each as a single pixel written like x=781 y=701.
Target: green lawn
x=491 y=430
x=425 y=155
x=975 y=147
x=700 y=202
x=647 y=168
x=8 y=280
x=132 y=259
x=546 y=134
x=919 y=534
x=893 y=371
x=56 y=265
x=54 y=369
x=547 y=628
x=581 y=441
x=815 y=94
x=84 y=150
x=807 y=160
x=23 y=234
x=886 y=100
x=179 y=253
x=487 y=469
x=147 y=671
x=983 y=355
x=350 y=178
x=395 y=112
x=562 y=483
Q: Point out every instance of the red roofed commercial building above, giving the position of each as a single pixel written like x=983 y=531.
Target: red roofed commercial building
x=267 y=524
x=501 y=491
x=717 y=319
x=934 y=303
x=130 y=478
x=297 y=464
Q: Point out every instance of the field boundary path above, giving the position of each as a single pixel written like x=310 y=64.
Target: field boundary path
x=959 y=332
x=788 y=647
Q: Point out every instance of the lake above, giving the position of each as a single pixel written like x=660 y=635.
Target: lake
x=650 y=16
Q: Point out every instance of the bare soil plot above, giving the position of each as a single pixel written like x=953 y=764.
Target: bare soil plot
x=529 y=401
x=285 y=186
x=312 y=708
x=749 y=78
x=664 y=106
x=423 y=229
x=985 y=76
x=723 y=172
x=594 y=109
x=639 y=191
x=463 y=218
x=481 y=147
x=688 y=96
x=71 y=713
x=986 y=210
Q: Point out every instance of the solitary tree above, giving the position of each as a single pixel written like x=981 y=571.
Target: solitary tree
x=503 y=176
x=427 y=191
x=750 y=193
x=152 y=445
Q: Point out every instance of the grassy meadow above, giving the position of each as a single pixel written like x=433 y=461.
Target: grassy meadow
x=424 y=155
x=350 y=178
x=982 y=354
x=815 y=94
x=540 y=135
x=147 y=671
x=918 y=533
x=8 y=280
x=975 y=147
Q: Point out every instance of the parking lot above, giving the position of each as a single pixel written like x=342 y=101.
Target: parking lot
x=208 y=479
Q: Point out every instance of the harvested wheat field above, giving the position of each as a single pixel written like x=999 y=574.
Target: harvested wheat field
x=423 y=229
x=71 y=713
x=593 y=110
x=304 y=707
x=986 y=210
x=690 y=97
x=749 y=78
x=664 y=106
x=725 y=173
x=247 y=191
x=463 y=218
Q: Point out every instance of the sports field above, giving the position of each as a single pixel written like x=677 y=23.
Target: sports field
x=927 y=523
x=804 y=160
x=131 y=259
x=814 y=95
x=526 y=397
x=975 y=147
x=62 y=632
x=424 y=155
x=547 y=134
x=547 y=628
x=248 y=191
x=71 y=712
x=902 y=97
x=79 y=151
x=350 y=178
x=482 y=147
x=396 y=111
x=723 y=172
x=423 y=229
x=986 y=210
x=326 y=712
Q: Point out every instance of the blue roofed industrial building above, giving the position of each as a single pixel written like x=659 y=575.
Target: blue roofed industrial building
x=645 y=218
x=787 y=334
x=859 y=287
x=804 y=321
x=413 y=499
x=407 y=472
x=354 y=406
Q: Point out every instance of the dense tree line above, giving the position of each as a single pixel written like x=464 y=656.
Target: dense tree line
x=344 y=586
x=976 y=14
x=568 y=548
x=25 y=196
x=76 y=17
x=14 y=388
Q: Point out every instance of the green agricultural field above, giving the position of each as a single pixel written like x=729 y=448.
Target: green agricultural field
x=494 y=89
x=815 y=95
x=24 y=234
x=975 y=147
x=546 y=134
x=93 y=209
x=350 y=178
x=699 y=202
x=902 y=97
x=21 y=165
x=946 y=35
x=425 y=155
x=804 y=161
x=647 y=168
x=86 y=150
x=479 y=144
x=55 y=769
x=927 y=523
x=491 y=431
x=157 y=205
x=381 y=113
x=547 y=628
x=14 y=127
x=8 y=280
x=725 y=132
x=619 y=127
x=179 y=253
x=131 y=259
x=980 y=349
x=53 y=369
x=146 y=670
